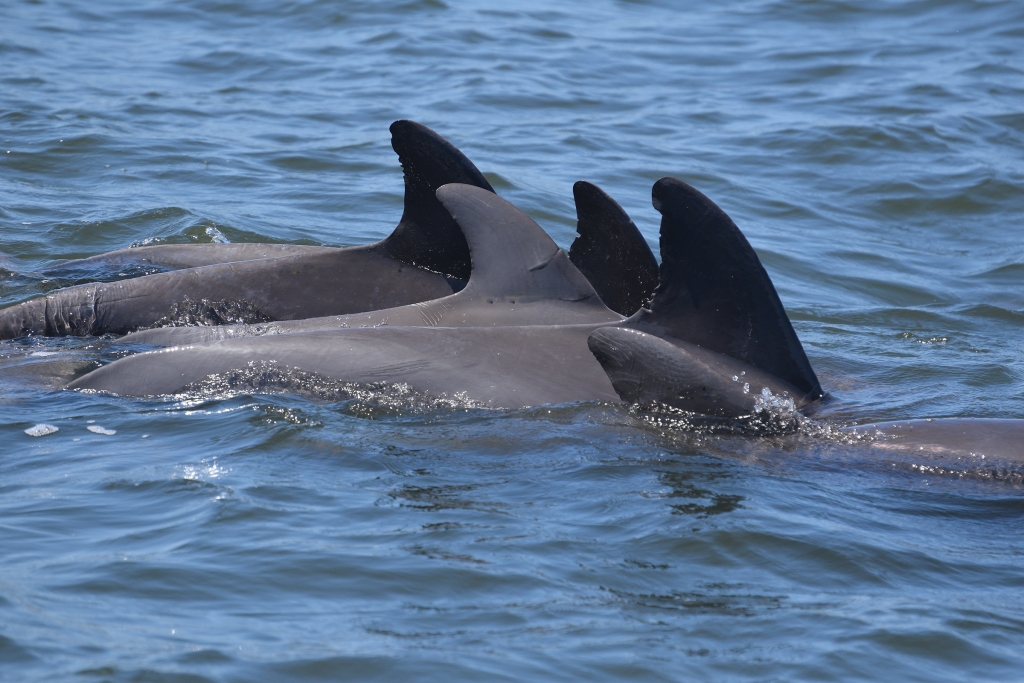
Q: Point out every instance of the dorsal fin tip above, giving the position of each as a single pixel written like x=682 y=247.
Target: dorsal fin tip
x=611 y=252
x=417 y=145
x=426 y=235
x=595 y=209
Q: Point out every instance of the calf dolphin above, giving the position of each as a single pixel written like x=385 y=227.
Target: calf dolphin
x=425 y=257
x=511 y=366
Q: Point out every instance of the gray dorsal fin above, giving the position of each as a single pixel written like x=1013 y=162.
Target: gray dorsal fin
x=611 y=252
x=714 y=292
x=512 y=256
x=427 y=236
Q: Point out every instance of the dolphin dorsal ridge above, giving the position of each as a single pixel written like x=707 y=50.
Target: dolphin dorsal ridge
x=714 y=292
x=512 y=256
x=611 y=252
x=427 y=236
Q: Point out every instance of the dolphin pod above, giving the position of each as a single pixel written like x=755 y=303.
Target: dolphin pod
x=424 y=258
x=469 y=298
x=529 y=329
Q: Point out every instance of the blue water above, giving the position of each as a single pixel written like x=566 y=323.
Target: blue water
x=873 y=153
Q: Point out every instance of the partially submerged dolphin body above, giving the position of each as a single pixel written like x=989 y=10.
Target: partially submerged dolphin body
x=424 y=258
x=621 y=271
x=529 y=329
x=971 y=442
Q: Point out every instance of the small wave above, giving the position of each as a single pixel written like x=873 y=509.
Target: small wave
x=42 y=430
x=773 y=414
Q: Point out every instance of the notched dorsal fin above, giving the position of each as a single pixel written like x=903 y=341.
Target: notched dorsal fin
x=512 y=256
x=611 y=252
x=427 y=236
x=714 y=292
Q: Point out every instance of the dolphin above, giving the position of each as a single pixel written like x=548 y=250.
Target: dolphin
x=619 y=267
x=555 y=357
x=425 y=257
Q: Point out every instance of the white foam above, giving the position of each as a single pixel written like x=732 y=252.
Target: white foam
x=41 y=430
x=96 y=429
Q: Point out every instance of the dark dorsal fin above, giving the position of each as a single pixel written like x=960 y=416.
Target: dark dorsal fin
x=611 y=252
x=427 y=236
x=512 y=255
x=715 y=293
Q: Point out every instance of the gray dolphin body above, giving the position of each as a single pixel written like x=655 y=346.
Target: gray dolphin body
x=509 y=250
x=715 y=340
x=422 y=259
x=426 y=257
x=609 y=249
x=529 y=329
x=969 y=442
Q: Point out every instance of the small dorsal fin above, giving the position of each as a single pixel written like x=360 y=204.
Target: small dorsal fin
x=512 y=256
x=611 y=252
x=714 y=292
x=427 y=236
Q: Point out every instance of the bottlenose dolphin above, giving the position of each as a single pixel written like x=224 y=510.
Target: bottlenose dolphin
x=425 y=257
x=425 y=231
x=608 y=242
x=495 y=362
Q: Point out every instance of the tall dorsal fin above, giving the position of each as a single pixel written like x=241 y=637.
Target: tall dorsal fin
x=611 y=252
x=714 y=292
x=512 y=256
x=427 y=236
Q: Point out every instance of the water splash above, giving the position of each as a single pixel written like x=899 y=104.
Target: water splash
x=363 y=399
x=41 y=430
x=189 y=313
x=772 y=415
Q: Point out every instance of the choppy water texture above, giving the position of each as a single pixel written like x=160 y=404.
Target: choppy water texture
x=873 y=152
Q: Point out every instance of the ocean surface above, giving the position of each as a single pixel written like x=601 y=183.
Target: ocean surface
x=872 y=152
